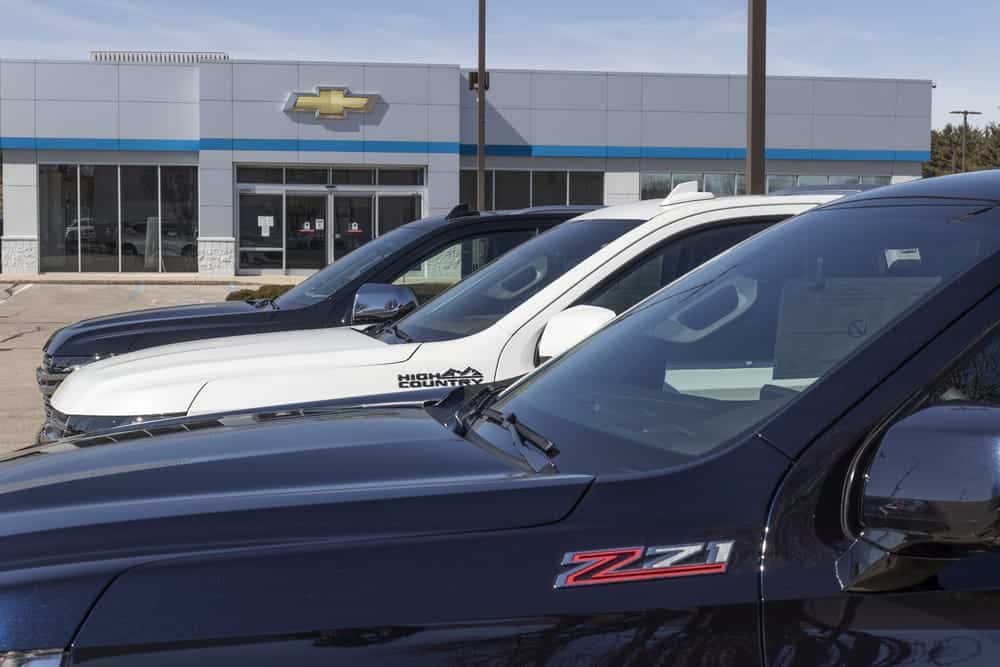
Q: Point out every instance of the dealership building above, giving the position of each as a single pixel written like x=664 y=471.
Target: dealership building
x=184 y=162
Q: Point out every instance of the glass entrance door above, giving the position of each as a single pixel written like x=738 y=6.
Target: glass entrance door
x=305 y=231
x=353 y=222
x=260 y=233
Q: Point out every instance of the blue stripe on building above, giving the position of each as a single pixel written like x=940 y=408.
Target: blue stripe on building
x=451 y=148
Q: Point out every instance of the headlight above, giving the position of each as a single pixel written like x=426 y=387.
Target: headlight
x=44 y=658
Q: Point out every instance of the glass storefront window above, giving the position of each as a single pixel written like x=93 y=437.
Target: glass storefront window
x=720 y=185
x=396 y=211
x=512 y=190
x=845 y=180
x=140 y=219
x=876 y=180
x=99 y=218
x=106 y=218
x=260 y=259
x=179 y=192
x=548 y=188
x=354 y=177
x=776 y=183
x=813 y=180
x=467 y=193
x=586 y=187
x=401 y=176
x=655 y=185
x=58 y=231
x=272 y=175
x=307 y=176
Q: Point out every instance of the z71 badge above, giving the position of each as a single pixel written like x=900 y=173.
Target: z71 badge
x=619 y=565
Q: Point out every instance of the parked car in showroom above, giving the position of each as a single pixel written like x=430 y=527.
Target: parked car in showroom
x=621 y=505
x=323 y=300
x=573 y=278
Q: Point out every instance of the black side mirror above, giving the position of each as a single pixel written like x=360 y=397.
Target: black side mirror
x=931 y=494
x=375 y=302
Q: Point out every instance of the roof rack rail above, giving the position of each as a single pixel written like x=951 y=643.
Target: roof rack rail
x=685 y=192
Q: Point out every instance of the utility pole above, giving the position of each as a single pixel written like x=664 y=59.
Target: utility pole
x=482 y=83
x=756 y=94
x=965 y=113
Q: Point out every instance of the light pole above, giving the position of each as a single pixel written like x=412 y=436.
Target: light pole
x=756 y=93
x=482 y=83
x=965 y=113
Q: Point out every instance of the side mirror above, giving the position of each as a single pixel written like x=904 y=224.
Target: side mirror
x=570 y=327
x=931 y=494
x=375 y=302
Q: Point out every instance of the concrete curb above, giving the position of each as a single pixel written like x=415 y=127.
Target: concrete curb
x=152 y=279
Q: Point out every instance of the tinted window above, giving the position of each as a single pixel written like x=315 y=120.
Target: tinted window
x=259 y=174
x=467 y=190
x=307 y=176
x=99 y=217
x=400 y=176
x=179 y=205
x=396 y=211
x=669 y=261
x=477 y=303
x=443 y=268
x=548 y=188
x=140 y=218
x=353 y=177
x=513 y=190
x=59 y=227
x=586 y=187
x=321 y=285
x=724 y=347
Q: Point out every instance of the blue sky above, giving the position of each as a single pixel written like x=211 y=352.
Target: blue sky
x=877 y=38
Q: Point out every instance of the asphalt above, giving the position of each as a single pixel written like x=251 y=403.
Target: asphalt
x=31 y=311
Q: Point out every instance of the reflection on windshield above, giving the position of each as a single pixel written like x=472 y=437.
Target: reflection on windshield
x=321 y=285
x=481 y=300
x=725 y=347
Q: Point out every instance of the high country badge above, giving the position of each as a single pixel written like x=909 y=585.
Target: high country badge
x=448 y=378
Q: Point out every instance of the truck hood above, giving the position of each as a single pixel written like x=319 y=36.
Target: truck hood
x=166 y=379
x=116 y=334
x=72 y=517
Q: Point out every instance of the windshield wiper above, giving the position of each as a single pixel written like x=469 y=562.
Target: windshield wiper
x=539 y=456
x=473 y=408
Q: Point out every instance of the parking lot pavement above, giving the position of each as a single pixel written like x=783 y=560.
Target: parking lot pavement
x=30 y=312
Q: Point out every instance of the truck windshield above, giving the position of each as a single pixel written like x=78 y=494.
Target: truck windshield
x=481 y=300
x=321 y=285
x=722 y=349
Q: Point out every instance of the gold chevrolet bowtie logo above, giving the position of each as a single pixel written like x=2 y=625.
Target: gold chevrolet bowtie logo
x=330 y=102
